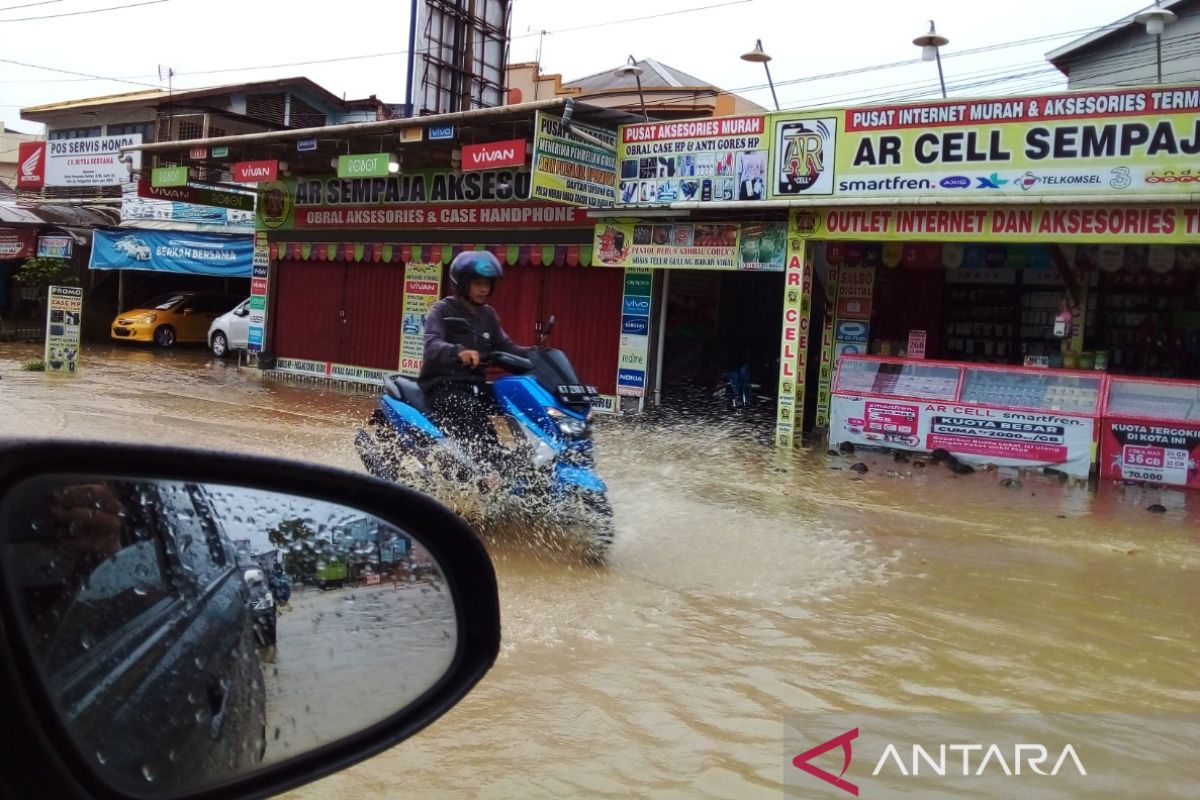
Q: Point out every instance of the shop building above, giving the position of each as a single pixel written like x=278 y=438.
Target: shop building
x=354 y=235
x=1052 y=238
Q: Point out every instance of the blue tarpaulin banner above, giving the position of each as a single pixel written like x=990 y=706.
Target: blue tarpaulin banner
x=173 y=251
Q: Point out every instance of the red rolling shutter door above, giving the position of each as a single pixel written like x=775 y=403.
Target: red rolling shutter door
x=587 y=304
x=374 y=304
x=308 y=296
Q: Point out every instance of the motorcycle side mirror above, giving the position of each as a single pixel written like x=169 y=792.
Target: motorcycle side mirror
x=457 y=323
x=131 y=668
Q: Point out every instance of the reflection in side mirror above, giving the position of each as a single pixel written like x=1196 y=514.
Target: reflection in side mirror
x=147 y=607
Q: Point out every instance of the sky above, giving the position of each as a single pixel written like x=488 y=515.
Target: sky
x=357 y=47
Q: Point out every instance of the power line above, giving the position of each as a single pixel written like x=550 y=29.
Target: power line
x=80 y=13
x=84 y=74
x=27 y=5
x=590 y=26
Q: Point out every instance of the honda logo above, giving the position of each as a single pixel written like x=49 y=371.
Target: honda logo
x=31 y=172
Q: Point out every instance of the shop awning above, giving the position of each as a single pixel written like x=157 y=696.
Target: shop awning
x=173 y=251
x=571 y=255
x=58 y=215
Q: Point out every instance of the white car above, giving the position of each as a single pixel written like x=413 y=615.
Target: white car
x=230 y=331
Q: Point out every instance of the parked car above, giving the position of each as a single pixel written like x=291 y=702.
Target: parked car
x=141 y=621
x=170 y=318
x=230 y=331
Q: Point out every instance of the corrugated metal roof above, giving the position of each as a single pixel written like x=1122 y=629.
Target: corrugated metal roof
x=60 y=215
x=1083 y=42
x=655 y=75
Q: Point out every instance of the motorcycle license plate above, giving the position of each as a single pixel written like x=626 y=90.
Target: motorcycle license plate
x=576 y=391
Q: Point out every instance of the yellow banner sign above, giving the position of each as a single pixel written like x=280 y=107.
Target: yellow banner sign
x=570 y=169
x=1116 y=224
x=1134 y=141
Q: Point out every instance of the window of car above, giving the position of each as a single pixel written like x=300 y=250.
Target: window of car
x=164 y=302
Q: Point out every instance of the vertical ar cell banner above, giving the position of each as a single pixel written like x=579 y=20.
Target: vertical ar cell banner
x=824 y=388
x=793 y=350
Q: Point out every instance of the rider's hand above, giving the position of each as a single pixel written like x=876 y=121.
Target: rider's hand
x=469 y=358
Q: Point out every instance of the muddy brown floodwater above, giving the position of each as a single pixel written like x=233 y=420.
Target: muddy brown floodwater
x=742 y=588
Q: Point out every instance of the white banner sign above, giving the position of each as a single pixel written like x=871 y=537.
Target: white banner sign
x=973 y=434
x=90 y=162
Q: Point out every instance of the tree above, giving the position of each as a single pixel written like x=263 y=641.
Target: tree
x=40 y=273
x=299 y=545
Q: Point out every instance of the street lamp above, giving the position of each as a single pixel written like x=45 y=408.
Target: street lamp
x=1155 y=21
x=930 y=44
x=630 y=67
x=757 y=56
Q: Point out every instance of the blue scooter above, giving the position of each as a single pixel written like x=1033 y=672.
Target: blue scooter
x=549 y=456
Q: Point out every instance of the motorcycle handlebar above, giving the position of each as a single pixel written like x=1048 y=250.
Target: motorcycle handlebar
x=508 y=360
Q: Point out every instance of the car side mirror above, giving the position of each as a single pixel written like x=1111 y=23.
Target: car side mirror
x=243 y=312
x=132 y=667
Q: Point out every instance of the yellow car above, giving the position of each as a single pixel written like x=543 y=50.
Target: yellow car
x=172 y=317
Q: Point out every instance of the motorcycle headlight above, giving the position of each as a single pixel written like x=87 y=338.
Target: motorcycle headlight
x=567 y=425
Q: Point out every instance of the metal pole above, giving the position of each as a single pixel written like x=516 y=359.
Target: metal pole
x=771 y=83
x=937 y=54
x=641 y=97
x=1158 y=54
x=662 y=334
x=412 y=55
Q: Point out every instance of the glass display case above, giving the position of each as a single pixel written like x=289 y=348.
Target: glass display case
x=987 y=415
x=1153 y=400
x=1035 y=389
x=898 y=378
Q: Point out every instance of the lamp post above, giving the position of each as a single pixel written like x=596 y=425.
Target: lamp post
x=930 y=44
x=630 y=67
x=1155 y=20
x=758 y=56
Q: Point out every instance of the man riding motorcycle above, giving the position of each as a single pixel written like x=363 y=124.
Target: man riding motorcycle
x=452 y=377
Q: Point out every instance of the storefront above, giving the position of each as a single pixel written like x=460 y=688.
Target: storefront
x=711 y=273
x=354 y=272
x=1054 y=233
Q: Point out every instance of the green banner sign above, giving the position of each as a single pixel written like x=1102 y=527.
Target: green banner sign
x=367 y=165
x=169 y=176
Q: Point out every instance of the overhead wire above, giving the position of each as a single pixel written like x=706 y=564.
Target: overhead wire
x=89 y=11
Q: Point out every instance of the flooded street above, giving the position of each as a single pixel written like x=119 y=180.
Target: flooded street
x=741 y=589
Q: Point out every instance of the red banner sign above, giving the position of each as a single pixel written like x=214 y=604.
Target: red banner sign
x=493 y=155
x=1155 y=451
x=444 y=216
x=31 y=165
x=17 y=243
x=255 y=171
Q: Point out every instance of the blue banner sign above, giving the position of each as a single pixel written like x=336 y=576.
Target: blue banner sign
x=171 y=251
